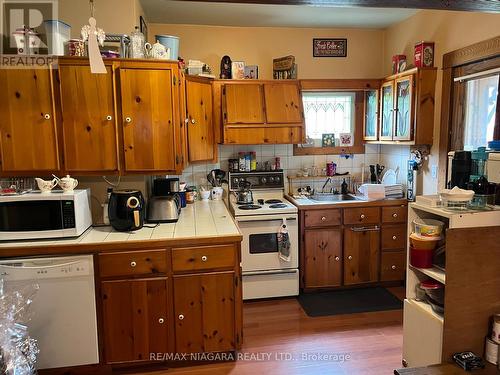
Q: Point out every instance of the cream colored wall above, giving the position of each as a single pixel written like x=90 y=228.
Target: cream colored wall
x=259 y=45
x=450 y=31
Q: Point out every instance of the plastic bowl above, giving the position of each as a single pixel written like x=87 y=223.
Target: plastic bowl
x=434 y=290
x=424 y=243
x=428 y=227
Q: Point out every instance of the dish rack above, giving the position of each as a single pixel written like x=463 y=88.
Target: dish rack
x=17 y=185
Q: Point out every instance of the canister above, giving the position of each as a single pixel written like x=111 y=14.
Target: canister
x=424 y=54
x=491 y=351
x=495 y=329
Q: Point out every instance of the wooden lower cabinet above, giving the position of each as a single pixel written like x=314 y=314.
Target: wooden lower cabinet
x=135 y=319
x=204 y=312
x=361 y=254
x=323 y=258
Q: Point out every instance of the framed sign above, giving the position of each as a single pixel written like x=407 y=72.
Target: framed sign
x=329 y=47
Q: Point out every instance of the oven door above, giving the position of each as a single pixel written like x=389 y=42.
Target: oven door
x=259 y=248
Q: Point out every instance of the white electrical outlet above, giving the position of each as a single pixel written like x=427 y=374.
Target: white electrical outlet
x=434 y=171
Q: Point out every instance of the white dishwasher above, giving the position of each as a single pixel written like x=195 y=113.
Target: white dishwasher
x=63 y=313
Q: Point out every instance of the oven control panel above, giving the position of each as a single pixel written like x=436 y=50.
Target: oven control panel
x=257 y=180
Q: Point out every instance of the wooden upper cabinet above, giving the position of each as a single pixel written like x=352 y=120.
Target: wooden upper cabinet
x=361 y=254
x=88 y=119
x=135 y=320
x=386 y=111
x=200 y=129
x=27 y=121
x=147 y=98
x=371 y=118
x=323 y=258
x=243 y=104
x=204 y=312
x=403 y=98
x=283 y=103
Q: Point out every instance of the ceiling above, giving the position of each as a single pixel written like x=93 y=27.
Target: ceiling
x=260 y=15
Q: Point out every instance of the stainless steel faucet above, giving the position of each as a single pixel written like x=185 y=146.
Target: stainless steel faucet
x=326 y=183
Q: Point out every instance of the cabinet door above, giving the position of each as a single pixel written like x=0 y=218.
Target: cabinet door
x=323 y=256
x=148 y=119
x=371 y=116
x=200 y=129
x=204 y=312
x=243 y=104
x=88 y=119
x=134 y=319
x=403 y=127
x=361 y=254
x=387 y=111
x=283 y=103
x=27 y=125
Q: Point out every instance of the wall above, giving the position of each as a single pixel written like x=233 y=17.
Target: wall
x=259 y=45
x=450 y=31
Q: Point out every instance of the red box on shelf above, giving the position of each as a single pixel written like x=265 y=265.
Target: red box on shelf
x=398 y=64
x=424 y=54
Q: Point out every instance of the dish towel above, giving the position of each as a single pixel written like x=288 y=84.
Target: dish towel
x=284 y=243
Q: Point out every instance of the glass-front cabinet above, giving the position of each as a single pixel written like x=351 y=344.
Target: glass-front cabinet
x=403 y=108
x=386 y=111
x=371 y=116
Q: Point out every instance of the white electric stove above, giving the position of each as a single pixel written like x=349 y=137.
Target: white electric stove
x=265 y=274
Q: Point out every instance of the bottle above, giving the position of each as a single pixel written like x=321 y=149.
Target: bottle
x=343 y=188
x=137 y=41
x=253 y=162
x=105 y=216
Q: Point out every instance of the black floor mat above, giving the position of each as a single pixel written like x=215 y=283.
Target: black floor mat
x=349 y=301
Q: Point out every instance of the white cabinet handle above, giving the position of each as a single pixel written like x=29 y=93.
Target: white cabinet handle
x=46 y=116
x=181 y=317
x=133 y=264
x=109 y=117
x=394 y=215
x=204 y=258
x=394 y=237
x=161 y=320
x=362 y=216
x=323 y=218
x=128 y=119
x=393 y=267
x=337 y=259
x=349 y=257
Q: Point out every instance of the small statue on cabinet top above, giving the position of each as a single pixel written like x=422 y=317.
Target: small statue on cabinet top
x=225 y=68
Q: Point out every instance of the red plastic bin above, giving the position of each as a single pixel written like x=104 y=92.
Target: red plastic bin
x=421 y=258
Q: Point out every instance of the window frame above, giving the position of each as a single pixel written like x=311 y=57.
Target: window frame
x=356 y=86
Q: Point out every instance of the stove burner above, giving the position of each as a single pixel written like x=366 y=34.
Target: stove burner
x=249 y=207
x=273 y=201
x=278 y=205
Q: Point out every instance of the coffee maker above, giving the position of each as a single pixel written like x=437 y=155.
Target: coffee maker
x=164 y=205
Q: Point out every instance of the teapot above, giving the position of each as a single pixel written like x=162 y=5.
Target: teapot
x=68 y=184
x=45 y=186
x=157 y=51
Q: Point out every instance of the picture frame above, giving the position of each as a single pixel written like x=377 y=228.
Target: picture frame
x=238 y=70
x=328 y=140
x=143 y=27
x=329 y=47
x=251 y=72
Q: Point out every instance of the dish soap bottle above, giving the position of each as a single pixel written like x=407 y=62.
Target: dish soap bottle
x=343 y=188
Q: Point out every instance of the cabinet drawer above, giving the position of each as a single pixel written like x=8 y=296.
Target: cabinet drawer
x=368 y=215
x=203 y=258
x=392 y=266
x=133 y=263
x=321 y=218
x=394 y=237
x=394 y=214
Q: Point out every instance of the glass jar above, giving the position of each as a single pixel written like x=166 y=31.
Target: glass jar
x=137 y=44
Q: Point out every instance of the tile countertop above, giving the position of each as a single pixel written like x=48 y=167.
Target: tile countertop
x=202 y=219
x=305 y=203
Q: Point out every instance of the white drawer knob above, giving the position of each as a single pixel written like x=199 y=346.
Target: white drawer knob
x=161 y=320
x=109 y=117
x=323 y=218
x=181 y=317
x=349 y=257
x=193 y=121
x=362 y=216
x=394 y=237
x=337 y=259
x=46 y=116
x=128 y=119
x=393 y=267
x=394 y=215
x=133 y=264
x=204 y=258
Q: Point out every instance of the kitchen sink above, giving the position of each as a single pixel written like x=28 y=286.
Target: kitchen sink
x=325 y=197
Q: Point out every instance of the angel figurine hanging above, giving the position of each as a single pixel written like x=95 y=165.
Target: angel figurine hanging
x=95 y=37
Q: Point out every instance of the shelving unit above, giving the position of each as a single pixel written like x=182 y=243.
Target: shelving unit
x=472 y=287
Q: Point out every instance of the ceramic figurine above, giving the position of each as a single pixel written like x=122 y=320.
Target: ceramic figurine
x=225 y=68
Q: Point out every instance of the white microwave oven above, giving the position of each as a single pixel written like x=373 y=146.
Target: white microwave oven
x=48 y=215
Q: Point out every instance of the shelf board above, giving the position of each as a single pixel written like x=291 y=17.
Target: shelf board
x=428 y=309
x=434 y=273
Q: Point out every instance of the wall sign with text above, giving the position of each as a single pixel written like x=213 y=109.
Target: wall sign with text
x=329 y=47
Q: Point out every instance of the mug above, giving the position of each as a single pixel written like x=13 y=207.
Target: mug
x=205 y=195
x=217 y=193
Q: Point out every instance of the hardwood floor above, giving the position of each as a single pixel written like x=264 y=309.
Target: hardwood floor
x=372 y=340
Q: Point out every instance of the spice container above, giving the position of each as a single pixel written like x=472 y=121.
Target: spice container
x=253 y=161
x=233 y=165
x=241 y=158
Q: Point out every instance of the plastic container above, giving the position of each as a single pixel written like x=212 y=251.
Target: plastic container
x=434 y=290
x=172 y=42
x=58 y=34
x=436 y=306
x=421 y=258
x=428 y=227
x=424 y=243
